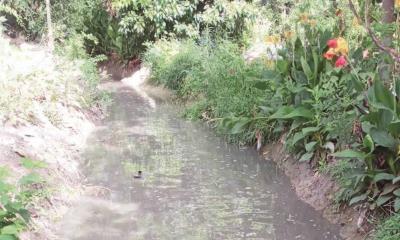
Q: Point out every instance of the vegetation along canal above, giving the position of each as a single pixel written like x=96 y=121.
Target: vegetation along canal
x=193 y=184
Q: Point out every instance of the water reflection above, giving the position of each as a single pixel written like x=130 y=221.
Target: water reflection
x=195 y=186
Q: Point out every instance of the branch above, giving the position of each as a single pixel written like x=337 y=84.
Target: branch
x=392 y=52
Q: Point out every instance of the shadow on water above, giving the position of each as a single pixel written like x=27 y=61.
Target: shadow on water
x=194 y=185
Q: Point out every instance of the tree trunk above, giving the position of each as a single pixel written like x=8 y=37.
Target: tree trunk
x=388 y=10
x=50 y=37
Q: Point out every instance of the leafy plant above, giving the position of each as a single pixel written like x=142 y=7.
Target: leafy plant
x=15 y=197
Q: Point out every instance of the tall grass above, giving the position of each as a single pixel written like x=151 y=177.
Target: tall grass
x=212 y=76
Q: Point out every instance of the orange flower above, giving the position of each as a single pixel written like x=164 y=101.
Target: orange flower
x=313 y=22
x=341 y=62
x=304 y=17
x=397 y=4
x=330 y=54
x=288 y=35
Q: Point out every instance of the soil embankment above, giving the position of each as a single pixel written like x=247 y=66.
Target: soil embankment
x=317 y=190
x=44 y=117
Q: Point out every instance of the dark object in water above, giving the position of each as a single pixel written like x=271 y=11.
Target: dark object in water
x=139 y=175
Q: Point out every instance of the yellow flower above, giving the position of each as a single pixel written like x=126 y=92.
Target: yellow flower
x=304 y=18
x=397 y=4
x=342 y=46
x=288 y=35
x=313 y=23
x=355 y=22
x=269 y=63
x=274 y=39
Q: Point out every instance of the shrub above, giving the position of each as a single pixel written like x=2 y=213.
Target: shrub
x=16 y=197
x=212 y=75
x=389 y=229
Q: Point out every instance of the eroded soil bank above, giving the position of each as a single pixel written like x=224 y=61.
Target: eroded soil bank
x=44 y=118
x=318 y=191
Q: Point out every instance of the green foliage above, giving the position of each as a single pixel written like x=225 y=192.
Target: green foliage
x=389 y=229
x=321 y=108
x=214 y=76
x=122 y=27
x=15 y=198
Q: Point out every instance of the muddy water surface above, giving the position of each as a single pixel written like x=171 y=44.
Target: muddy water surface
x=194 y=185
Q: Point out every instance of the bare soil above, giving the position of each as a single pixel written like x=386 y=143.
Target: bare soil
x=318 y=191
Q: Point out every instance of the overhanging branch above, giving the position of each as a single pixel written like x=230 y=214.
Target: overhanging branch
x=392 y=52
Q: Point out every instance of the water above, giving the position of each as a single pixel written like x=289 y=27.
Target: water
x=194 y=185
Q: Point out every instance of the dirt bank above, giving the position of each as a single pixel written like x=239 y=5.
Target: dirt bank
x=318 y=191
x=44 y=116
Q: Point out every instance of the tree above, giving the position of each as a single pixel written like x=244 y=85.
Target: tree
x=388 y=6
x=50 y=37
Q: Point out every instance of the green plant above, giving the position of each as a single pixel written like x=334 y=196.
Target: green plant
x=388 y=229
x=379 y=184
x=15 y=198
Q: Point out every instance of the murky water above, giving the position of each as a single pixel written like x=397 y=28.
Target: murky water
x=194 y=185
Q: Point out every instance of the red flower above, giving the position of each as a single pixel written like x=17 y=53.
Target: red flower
x=341 y=62
x=332 y=43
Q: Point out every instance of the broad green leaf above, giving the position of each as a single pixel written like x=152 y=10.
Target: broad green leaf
x=389 y=188
x=7 y=237
x=297 y=137
x=383 y=138
x=4 y=173
x=31 y=178
x=396 y=180
x=31 y=164
x=396 y=204
x=394 y=128
x=272 y=75
x=261 y=84
x=307 y=70
x=358 y=199
x=382 y=97
x=369 y=143
x=397 y=192
x=282 y=66
x=383 y=176
x=300 y=112
x=310 y=130
x=282 y=112
x=310 y=146
x=306 y=157
x=350 y=154
x=240 y=126
x=10 y=230
x=316 y=64
x=397 y=87
x=382 y=200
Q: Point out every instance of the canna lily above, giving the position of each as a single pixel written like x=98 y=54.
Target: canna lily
x=332 y=43
x=288 y=35
x=304 y=18
x=313 y=23
x=341 y=62
x=330 y=54
x=272 y=39
x=342 y=46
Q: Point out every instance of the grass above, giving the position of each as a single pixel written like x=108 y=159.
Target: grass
x=389 y=229
x=211 y=77
x=34 y=84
